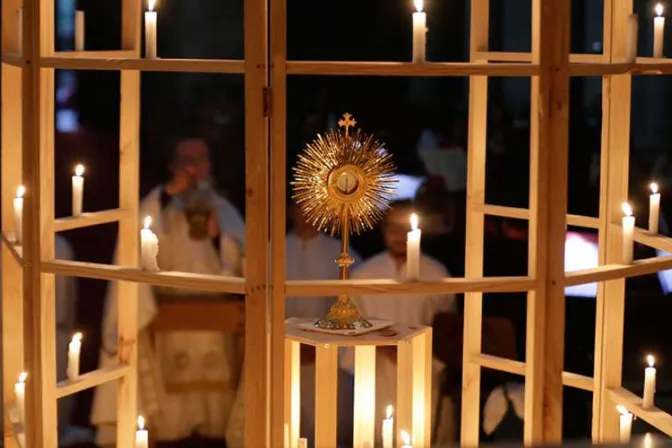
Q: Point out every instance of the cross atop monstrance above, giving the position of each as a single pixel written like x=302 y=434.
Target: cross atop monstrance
x=347 y=122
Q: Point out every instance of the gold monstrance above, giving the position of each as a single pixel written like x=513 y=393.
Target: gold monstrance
x=344 y=183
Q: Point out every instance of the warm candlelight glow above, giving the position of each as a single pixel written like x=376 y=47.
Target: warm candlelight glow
x=627 y=210
x=148 y=222
x=141 y=423
x=405 y=438
x=79 y=170
x=622 y=410
x=388 y=411
x=77 y=337
x=22 y=377
x=414 y=221
x=659 y=9
x=20 y=191
x=654 y=188
x=418 y=5
x=150 y=5
x=650 y=360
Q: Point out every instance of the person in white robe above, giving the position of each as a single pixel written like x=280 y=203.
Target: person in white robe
x=66 y=303
x=187 y=380
x=409 y=309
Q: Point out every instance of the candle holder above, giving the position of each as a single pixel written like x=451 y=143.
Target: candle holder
x=344 y=182
x=412 y=411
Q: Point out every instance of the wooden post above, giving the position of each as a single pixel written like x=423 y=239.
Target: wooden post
x=257 y=305
x=292 y=392
x=549 y=129
x=326 y=394
x=473 y=301
x=365 y=396
x=614 y=164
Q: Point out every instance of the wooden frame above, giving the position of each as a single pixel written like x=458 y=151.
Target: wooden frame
x=28 y=271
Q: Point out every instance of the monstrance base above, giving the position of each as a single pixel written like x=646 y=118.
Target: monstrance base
x=343 y=315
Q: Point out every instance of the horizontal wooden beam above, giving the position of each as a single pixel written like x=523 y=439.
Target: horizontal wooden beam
x=450 y=285
x=654 y=240
x=91 y=379
x=182 y=280
x=16 y=251
x=88 y=219
x=518 y=368
x=129 y=54
x=510 y=56
x=12 y=59
x=523 y=213
x=147 y=65
x=409 y=69
x=654 y=416
x=617 y=271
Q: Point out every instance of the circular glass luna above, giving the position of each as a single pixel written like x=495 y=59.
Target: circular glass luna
x=347 y=183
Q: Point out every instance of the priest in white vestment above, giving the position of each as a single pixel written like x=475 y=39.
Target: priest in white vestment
x=187 y=380
x=409 y=309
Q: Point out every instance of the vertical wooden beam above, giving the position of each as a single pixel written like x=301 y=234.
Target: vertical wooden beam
x=403 y=418
x=257 y=306
x=422 y=389
x=292 y=392
x=278 y=196
x=614 y=167
x=128 y=247
x=549 y=130
x=365 y=396
x=326 y=395
x=473 y=303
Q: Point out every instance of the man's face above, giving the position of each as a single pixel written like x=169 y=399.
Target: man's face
x=192 y=156
x=395 y=229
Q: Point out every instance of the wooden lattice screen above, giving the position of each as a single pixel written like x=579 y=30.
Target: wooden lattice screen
x=28 y=271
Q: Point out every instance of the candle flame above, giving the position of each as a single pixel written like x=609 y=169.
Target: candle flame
x=622 y=410
x=414 y=221
x=405 y=438
x=388 y=411
x=650 y=360
x=22 y=377
x=79 y=170
x=627 y=210
x=148 y=222
x=150 y=4
x=20 y=191
x=659 y=9
x=77 y=337
x=141 y=422
x=418 y=5
x=654 y=188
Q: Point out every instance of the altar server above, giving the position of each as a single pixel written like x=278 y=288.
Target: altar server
x=410 y=309
x=187 y=380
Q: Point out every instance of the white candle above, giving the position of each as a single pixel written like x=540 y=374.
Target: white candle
x=631 y=40
x=19 y=31
x=141 y=435
x=303 y=443
x=388 y=428
x=654 y=208
x=628 y=233
x=419 y=33
x=18 y=214
x=413 y=250
x=77 y=190
x=79 y=30
x=625 y=424
x=74 y=351
x=658 y=31
x=20 y=392
x=406 y=440
x=648 y=440
x=150 y=31
x=286 y=441
x=149 y=244
x=649 y=383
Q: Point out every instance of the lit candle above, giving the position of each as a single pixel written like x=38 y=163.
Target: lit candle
x=625 y=425
x=77 y=190
x=141 y=435
x=419 y=32
x=74 y=351
x=648 y=440
x=18 y=213
x=303 y=443
x=413 y=250
x=79 y=30
x=628 y=233
x=149 y=247
x=654 y=208
x=388 y=428
x=19 y=31
x=406 y=440
x=631 y=38
x=658 y=31
x=150 y=31
x=649 y=383
x=20 y=392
